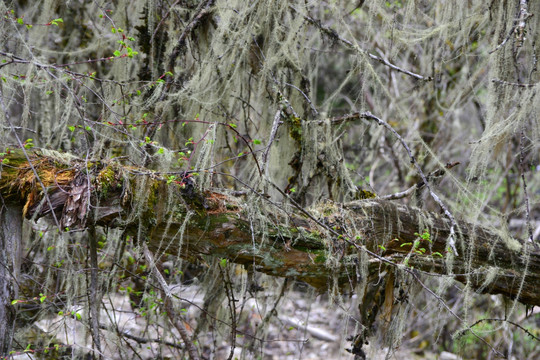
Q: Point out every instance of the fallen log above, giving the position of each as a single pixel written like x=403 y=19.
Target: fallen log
x=323 y=249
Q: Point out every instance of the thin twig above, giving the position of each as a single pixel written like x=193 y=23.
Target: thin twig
x=334 y=35
x=432 y=175
x=315 y=112
x=227 y=284
x=93 y=293
x=174 y=317
x=275 y=126
x=443 y=303
x=524 y=15
x=519 y=25
x=525 y=193
x=451 y=240
x=502 y=82
x=162 y=20
x=510 y=322
x=204 y=9
x=141 y=340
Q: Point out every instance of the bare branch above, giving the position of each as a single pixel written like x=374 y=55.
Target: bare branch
x=334 y=35
x=174 y=317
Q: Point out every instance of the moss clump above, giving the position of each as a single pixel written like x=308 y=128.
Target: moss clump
x=364 y=194
x=319 y=259
x=105 y=180
x=295 y=130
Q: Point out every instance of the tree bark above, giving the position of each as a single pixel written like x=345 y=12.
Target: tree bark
x=10 y=260
x=287 y=244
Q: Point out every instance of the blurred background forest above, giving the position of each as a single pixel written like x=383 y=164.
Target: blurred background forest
x=266 y=95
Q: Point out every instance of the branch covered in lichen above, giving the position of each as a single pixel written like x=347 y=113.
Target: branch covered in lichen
x=292 y=245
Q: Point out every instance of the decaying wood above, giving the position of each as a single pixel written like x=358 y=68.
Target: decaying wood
x=282 y=244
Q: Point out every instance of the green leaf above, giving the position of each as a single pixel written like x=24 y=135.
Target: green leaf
x=117 y=53
x=223 y=262
x=256 y=141
x=42 y=298
x=13 y=302
x=71 y=128
x=79 y=317
x=20 y=21
x=161 y=151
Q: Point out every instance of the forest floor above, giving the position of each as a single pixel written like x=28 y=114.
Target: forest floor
x=302 y=329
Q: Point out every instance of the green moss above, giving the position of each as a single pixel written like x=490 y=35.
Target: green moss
x=295 y=130
x=152 y=197
x=105 y=180
x=319 y=259
x=364 y=194
x=231 y=206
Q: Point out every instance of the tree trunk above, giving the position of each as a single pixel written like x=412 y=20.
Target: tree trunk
x=10 y=260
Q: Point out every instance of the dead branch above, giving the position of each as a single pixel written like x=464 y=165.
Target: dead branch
x=298 y=245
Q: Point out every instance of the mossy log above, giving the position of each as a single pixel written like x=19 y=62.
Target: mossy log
x=286 y=244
